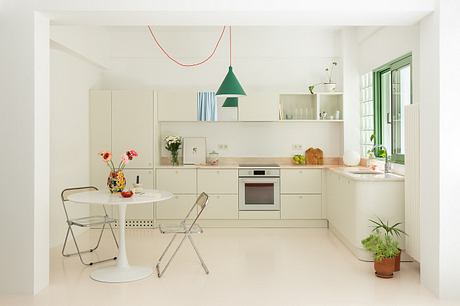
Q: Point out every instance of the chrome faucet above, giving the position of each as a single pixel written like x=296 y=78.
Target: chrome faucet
x=387 y=162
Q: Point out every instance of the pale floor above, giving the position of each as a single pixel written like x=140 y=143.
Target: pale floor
x=247 y=267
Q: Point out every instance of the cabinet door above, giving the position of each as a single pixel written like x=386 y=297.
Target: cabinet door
x=306 y=206
x=177 y=106
x=221 y=207
x=132 y=126
x=218 y=181
x=100 y=108
x=259 y=107
x=176 y=208
x=177 y=181
x=301 y=181
x=140 y=211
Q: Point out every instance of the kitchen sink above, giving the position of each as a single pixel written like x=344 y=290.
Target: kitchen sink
x=367 y=172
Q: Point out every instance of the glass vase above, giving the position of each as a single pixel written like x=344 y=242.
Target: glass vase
x=116 y=181
x=175 y=158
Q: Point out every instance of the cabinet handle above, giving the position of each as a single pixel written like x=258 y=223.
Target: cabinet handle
x=300 y=171
x=177 y=172
x=300 y=197
x=218 y=197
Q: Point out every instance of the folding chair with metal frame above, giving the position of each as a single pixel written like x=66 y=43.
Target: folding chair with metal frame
x=184 y=228
x=85 y=222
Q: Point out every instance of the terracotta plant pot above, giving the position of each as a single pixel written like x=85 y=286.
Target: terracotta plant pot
x=385 y=267
x=398 y=261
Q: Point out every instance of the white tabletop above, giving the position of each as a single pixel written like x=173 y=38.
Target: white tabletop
x=107 y=198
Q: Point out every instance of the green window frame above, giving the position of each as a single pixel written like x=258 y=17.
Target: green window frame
x=395 y=65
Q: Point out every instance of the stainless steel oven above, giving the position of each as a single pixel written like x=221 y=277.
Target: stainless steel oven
x=259 y=188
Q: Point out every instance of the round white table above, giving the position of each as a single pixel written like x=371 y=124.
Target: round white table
x=122 y=271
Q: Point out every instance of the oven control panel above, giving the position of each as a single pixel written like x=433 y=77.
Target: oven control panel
x=258 y=172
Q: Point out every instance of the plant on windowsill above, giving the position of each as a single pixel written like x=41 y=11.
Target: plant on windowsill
x=173 y=144
x=384 y=249
x=394 y=231
x=116 y=181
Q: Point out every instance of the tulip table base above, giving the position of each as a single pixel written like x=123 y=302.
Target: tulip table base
x=121 y=274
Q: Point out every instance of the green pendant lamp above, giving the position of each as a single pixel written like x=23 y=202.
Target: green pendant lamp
x=230 y=87
x=230 y=102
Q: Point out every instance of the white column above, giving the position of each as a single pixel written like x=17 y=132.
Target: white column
x=449 y=145
x=23 y=122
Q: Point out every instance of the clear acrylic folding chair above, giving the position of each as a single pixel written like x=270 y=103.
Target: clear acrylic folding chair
x=85 y=222
x=187 y=227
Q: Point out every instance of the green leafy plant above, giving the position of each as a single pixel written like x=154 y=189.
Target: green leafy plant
x=381 y=246
x=393 y=230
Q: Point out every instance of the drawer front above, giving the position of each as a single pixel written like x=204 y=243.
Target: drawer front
x=301 y=180
x=221 y=207
x=218 y=181
x=176 y=208
x=307 y=206
x=177 y=181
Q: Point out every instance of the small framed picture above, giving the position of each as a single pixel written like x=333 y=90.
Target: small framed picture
x=194 y=150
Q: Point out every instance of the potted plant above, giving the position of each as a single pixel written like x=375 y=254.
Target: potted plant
x=330 y=86
x=394 y=231
x=385 y=249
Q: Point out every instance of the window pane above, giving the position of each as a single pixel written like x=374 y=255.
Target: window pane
x=400 y=97
x=386 y=109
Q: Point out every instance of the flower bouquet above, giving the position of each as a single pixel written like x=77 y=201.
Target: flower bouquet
x=116 y=181
x=173 y=144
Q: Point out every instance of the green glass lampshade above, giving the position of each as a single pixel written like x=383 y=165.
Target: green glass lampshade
x=230 y=102
x=230 y=87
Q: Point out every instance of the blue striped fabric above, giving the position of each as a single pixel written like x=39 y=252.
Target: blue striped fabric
x=206 y=106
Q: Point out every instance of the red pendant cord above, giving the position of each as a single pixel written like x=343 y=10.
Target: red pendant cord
x=193 y=64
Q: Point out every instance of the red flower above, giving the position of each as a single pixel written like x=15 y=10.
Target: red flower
x=106 y=156
x=131 y=154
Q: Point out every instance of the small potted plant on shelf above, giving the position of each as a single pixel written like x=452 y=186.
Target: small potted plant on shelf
x=329 y=86
x=385 y=249
x=394 y=231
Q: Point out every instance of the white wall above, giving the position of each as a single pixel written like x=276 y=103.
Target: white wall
x=261 y=139
x=274 y=58
x=71 y=79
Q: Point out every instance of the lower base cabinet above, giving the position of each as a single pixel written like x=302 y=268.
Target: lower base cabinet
x=301 y=206
x=221 y=207
x=176 y=208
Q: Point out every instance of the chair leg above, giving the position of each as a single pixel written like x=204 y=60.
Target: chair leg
x=198 y=254
x=159 y=272
x=82 y=252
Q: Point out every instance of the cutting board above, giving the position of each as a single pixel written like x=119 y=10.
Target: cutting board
x=314 y=156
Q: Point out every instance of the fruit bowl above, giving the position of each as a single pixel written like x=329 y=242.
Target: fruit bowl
x=127 y=194
x=298 y=159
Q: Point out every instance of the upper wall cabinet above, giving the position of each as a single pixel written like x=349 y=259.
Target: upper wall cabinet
x=177 y=106
x=259 y=107
x=132 y=125
x=121 y=120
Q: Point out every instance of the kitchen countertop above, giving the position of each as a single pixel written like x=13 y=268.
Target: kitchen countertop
x=376 y=177
x=235 y=166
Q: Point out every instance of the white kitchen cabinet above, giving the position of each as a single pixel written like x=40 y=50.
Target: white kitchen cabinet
x=177 y=106
x=301 y=181
x=218 y=181
x=146 y=178
x=221 y=207
x=177 y=181
x=259 y=107
x=132 y=126
x=302 y=206
x=176 y=208
x=100 y=109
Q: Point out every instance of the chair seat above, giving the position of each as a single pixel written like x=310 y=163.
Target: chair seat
x=179 y=229
x=90 y=221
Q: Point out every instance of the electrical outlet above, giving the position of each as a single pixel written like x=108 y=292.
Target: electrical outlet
x=297 y=147
x=222 y=146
